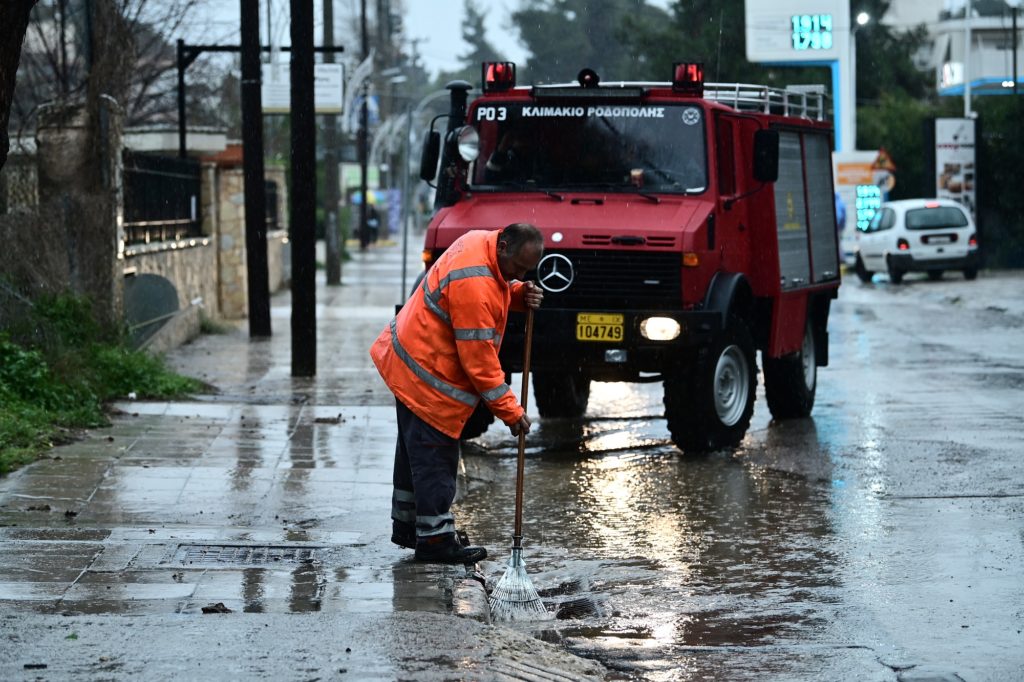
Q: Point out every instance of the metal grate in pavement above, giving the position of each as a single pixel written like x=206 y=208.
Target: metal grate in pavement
x=244 y=555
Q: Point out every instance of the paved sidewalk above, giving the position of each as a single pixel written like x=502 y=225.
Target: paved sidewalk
x=245 y=534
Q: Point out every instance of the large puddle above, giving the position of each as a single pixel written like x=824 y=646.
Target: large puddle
x=664 y=561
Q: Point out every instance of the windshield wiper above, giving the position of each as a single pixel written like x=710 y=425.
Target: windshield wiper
x=621 y=187
x=528 y=186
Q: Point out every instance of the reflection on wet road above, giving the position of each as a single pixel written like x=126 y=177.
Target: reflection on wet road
x=680 y=554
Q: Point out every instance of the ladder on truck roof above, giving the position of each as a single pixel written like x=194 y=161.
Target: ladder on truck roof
x=807 y=101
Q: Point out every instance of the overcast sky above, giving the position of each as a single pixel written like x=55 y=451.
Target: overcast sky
x=436 y=23
x=441 y=30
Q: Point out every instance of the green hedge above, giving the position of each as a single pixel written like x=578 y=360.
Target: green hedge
x=57 y=370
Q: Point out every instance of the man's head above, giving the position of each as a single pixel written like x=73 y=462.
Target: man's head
x=520 y=247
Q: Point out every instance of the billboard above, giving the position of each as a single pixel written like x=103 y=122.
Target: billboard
x=955 y=163
x=797 y=30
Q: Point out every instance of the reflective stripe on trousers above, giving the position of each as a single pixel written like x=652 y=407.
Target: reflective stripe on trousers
x=426 y=464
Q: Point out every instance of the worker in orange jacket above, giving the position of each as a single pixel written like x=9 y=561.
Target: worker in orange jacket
x=439 y=356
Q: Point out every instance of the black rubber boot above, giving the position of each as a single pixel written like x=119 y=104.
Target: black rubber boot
x=404 y=535
x=445 y=549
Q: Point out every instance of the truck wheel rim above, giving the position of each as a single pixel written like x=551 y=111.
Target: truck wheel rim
x=808 y=361
x=732 y=385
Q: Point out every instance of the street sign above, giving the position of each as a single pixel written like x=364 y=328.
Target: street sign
x=328 y=88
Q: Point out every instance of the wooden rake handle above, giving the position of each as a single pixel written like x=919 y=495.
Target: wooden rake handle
x=517 y=536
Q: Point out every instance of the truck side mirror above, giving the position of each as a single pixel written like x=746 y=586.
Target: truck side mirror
x=766 y=155
x=431 y=152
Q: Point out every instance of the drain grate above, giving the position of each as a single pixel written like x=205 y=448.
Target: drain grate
x=244 y=555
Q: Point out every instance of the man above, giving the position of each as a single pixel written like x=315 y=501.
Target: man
x=439 y=356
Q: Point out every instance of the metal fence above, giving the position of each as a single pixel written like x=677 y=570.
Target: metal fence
x=161 y=198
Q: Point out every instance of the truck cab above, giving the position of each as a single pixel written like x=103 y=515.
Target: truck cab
x=687 y=226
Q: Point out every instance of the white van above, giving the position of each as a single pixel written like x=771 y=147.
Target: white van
x=917 y=235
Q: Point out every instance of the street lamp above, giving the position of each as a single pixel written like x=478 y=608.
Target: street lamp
x=861 y=20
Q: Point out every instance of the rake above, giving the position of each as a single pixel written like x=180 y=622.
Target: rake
x=515 y=597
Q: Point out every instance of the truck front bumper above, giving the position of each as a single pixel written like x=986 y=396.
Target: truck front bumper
x=556 y=346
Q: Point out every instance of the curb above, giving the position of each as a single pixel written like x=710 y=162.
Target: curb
x=469 y=600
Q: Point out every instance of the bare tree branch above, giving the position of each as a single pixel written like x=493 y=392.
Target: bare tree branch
x=153 y=26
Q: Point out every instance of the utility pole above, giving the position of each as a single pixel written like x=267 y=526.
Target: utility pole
x=364 y=124
x=967 y=60
x=303 y=194
x=331 y=238
x=254 y=181
x=1016 y=8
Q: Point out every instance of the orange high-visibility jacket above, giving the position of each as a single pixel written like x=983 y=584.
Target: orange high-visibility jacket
x=439 y=355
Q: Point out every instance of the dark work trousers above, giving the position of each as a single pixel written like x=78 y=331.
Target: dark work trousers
x=426 y=464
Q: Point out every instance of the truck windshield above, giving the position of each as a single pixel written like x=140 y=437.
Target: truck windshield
x=629 y=148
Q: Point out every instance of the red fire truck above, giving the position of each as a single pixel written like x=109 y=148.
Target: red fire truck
x=687 y=225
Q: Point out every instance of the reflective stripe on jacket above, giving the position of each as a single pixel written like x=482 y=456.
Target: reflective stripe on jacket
x=439 y=355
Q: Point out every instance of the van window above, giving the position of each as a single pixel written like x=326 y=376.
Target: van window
x=883 y=219
x=935 y=218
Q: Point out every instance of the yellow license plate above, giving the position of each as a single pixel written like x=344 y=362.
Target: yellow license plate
x=598 y=327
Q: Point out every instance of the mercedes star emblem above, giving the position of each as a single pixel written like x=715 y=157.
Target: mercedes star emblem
x=555 y=272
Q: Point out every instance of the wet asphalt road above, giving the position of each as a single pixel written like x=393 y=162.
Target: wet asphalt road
x=881 y=539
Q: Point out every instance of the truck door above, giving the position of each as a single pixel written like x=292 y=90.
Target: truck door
x=821 y=207
x=791 y=214
x=805 y=210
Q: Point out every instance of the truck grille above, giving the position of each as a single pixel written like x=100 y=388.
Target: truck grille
x=613 y=280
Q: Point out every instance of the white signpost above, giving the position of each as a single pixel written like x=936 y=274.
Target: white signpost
x=328 y=88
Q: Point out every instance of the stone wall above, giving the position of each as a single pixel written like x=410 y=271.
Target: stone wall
x=188 y=267
x=228 y=223
x=79 y=185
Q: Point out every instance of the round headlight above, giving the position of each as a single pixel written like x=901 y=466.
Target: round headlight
x=659 y=328
x=469 y=143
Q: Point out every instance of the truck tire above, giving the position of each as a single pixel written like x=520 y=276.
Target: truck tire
x=709 y=404
x=790 y=382
x=863 y=274
x=478 y=422
x=561 y=394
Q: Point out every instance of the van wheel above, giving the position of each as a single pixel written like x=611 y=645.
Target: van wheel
x=895 y=274
x=971 y=273
x=708 y=405
x=935 y=275
x=561 y=394
x=790 y=382
x=478 y=422
x=863 y=274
